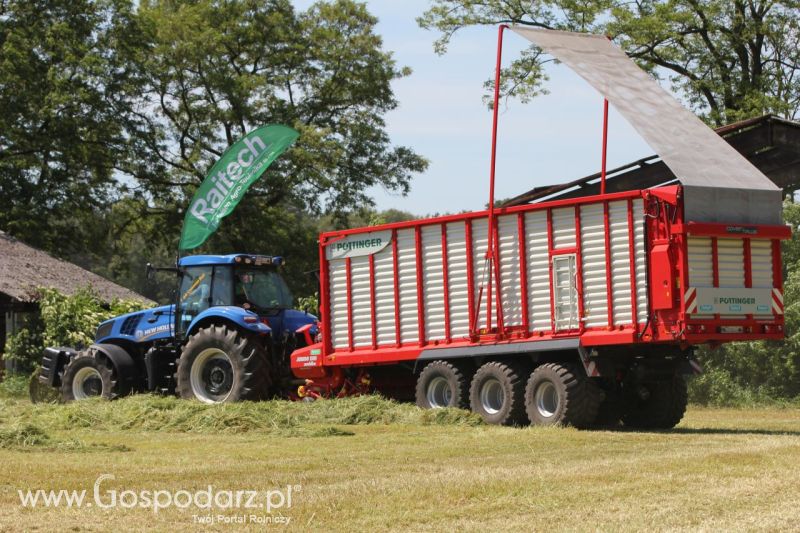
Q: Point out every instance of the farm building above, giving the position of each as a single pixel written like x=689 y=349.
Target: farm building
x=23 y=268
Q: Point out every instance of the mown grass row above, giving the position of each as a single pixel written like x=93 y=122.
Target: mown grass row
x=148 y=413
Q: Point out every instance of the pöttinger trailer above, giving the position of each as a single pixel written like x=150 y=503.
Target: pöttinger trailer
x=574 y=311
x=600 y=302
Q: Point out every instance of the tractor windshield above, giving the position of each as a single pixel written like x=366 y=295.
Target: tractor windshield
x=261 y=288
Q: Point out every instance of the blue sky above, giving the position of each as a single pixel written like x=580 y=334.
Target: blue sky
x=555 y=138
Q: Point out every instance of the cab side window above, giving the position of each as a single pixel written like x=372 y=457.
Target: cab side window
x=222 y=291
x=194 y=293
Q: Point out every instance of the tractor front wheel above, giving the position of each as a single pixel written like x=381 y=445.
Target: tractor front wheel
x=88 y=374
x=221 y=364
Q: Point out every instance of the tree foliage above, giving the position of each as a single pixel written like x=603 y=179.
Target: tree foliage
x=62 y=320
x=114 y=110
x=729 y=59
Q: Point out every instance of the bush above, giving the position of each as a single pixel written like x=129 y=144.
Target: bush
x=62 y=321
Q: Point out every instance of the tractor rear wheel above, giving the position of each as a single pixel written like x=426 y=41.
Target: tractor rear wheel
x=561 y=395
x=657 y=405
x=89 y=374
x=442 y=384
x=497 y=393
x=221 y=364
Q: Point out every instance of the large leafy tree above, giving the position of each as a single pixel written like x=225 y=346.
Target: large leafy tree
x=112 y=112
x=729 y=59
x=64 y=87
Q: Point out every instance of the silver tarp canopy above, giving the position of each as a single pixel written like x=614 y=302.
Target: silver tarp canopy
x=719 y=184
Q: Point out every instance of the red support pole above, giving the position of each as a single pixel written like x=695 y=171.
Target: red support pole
x=446 y=284
x=605 y=148
x=373 y=302
x=396 y=270
x=349 y=286
x=490 y=252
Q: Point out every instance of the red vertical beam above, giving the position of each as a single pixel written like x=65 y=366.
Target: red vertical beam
x=632 y=266
x=446 y=283
x=349 y=285
x=490 y=252
x=325 y=300
x=420 y=293
x=470 y=277
x=714 y=266
x=714 y=262
x=748 y=263
x=609 y=279
x=398 y=341
x=550 y=269
x=748 y=268
x=372 y=302
x=498 y=283
x=579 y=266
x=523 y=272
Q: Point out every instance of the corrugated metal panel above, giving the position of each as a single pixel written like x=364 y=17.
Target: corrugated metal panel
x=593 y=266
x=508 y=237
x=640 y=260
x=730 y=262
x=337 y=271
x=620 y=261
x=457 y=279
x=433 y=281
x=407 y=266
x=538 y=276
x=701 y=266
x=384 y=297
x=479 y=266
x=360 y=303
x=538 y=271
x=563 y=227
x=761 y=263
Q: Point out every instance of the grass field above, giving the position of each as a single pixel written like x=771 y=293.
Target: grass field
x=366 y=463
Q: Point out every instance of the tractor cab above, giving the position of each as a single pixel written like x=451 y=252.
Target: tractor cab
x=251 y=282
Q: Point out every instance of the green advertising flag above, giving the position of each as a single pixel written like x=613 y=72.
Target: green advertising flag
x=228 y=181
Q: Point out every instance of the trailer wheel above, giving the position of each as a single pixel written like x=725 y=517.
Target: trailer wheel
x=87 y=375
x=657 y=405
x=220 y=364
x=497 y=393
x=560 y=395
x=442 y=384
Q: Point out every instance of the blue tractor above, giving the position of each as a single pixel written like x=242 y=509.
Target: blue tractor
x=227 y=337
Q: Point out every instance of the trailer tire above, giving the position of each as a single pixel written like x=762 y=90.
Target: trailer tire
x=442 y=384
x=561 y=395
x=662 y=409
x=89 y=374
x=497 y=394
x=221 y=364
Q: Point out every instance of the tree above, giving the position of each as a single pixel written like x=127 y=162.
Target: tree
x=729 y=59
x=114 y=110
x=64 y=87
x=219 y=70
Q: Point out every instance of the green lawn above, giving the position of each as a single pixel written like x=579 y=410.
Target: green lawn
x=402 y=469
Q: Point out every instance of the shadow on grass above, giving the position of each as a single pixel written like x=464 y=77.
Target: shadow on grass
x=706 y=431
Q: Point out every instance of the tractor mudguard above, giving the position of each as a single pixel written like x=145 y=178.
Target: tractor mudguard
x=241 y=318
x=122 y=361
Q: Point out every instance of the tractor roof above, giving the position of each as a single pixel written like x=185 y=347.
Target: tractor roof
x=246 y=259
